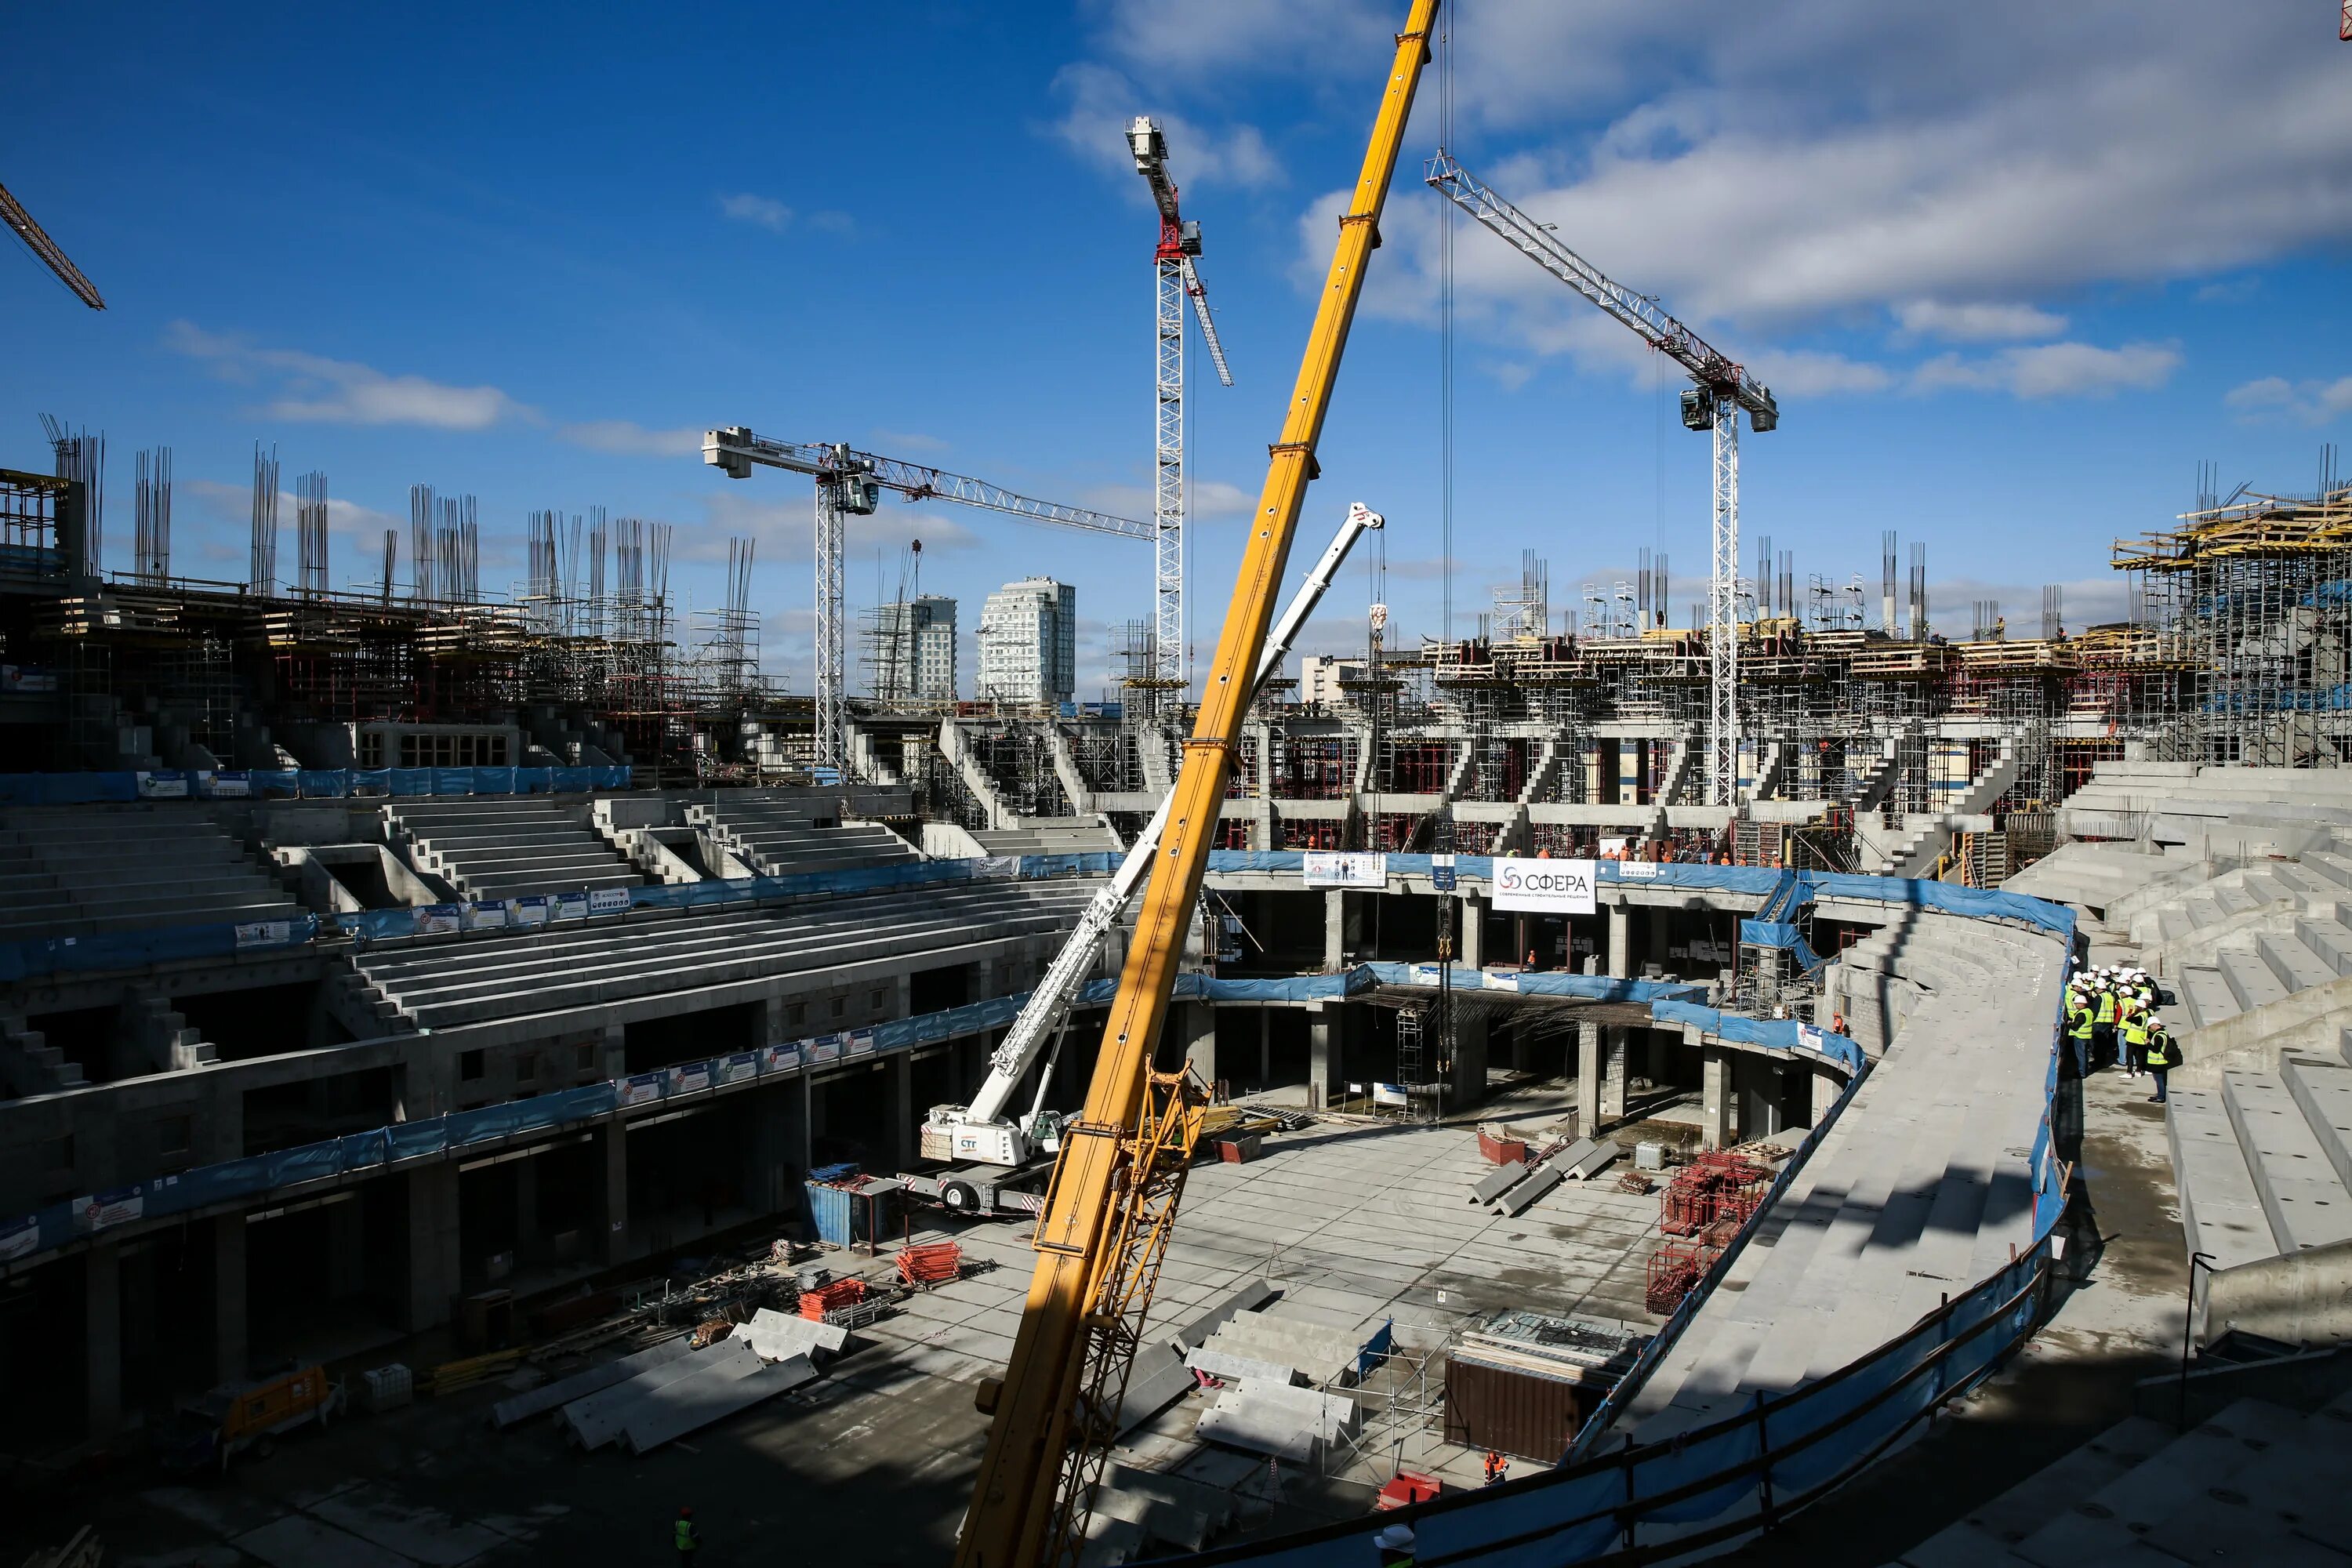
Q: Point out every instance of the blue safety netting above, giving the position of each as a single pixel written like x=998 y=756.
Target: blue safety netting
x=1781 y=937
x=309 y=783
x=135 y=949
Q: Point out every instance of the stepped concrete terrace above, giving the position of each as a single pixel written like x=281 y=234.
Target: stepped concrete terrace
x=791 y=838
x=1922 y=1187
x=500 y=848
x=2255 y=1482
x=654 y=954
x=1039 y=836
x=84 y=871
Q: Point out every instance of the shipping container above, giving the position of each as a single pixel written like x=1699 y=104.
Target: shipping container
x=847 y=1217
x=1517 y=1413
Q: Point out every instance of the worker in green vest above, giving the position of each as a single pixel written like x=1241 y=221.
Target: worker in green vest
x=2134 y=1028
x=1395 y=1546
x=2161 y=1055
x=2103 y=1024
x=2078 y=1030
x=686 y=1538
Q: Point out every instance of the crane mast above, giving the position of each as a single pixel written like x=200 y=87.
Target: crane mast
x=1175 y=280
x=1720 y=389
x=850 y=483
x=1119 y=1177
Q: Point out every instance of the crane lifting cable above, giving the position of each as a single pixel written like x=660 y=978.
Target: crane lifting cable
x=1120 y=1172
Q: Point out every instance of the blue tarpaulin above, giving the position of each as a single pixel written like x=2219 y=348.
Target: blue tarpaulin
x=311 y=784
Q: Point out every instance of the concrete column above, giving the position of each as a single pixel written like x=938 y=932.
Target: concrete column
x=903 y=1139
x=1265 y=1047
x=1620 y=939
x=1826 y=1089
x=102 y=1339
x=613 y=1052
x=435 y=1265
x=808 y=1121
x=1661 y=922
x=1343 y=927
x=1722 y=1110
x=612 y=1215
x=1470 y=936
x=1469 y=1076
x=1587 y=1078
x=1323 y=1065
x=526 y=1196
x=1197 y=1022
x=346 y=1249
x=230 y=1352
x=1612 y=1073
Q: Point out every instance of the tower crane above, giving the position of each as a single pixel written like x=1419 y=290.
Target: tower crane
x=1176 y=278
x=1719 y=389
x=850 y=483
x=978 y=1131
x=1120 y=1173
x=36 y=239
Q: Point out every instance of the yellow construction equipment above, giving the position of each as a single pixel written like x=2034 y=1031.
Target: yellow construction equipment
x=1116 y=1185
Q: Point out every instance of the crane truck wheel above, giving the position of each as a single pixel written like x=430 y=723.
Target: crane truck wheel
x=961 y=1196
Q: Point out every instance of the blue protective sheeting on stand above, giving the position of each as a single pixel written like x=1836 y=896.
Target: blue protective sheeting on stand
x=309 y=783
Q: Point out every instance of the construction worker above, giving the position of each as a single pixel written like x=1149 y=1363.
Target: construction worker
x=2079 y=1025
x=1395 y=1545
x=1499 y=1469
x=2160 y=1054
x=686 y=1538
x=2134 y=1021
x=2103 y=1021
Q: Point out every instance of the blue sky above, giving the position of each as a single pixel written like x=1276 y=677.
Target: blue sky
x=2012 y=269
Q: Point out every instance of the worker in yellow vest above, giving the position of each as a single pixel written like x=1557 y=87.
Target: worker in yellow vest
x=2161 y=1055
x=2135 y=1031
x=2103 y=1024
x=686 y=1538
x=2078 y=1031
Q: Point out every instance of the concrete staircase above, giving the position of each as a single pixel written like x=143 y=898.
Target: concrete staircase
x=2254 y=1483
x=499 y=849
x=787 y=838
x=2264 y=1161
x=90 y=871
x=1049 y=836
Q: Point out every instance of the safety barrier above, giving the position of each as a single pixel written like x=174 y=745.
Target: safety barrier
x=304 y=784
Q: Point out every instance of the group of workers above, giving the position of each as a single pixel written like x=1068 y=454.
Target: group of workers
x=2111 y=1016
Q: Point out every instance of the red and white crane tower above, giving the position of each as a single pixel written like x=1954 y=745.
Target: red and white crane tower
x=1175 y=278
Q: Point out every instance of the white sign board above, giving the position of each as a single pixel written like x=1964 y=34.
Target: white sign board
x=1544 y=887
x=1339 y=868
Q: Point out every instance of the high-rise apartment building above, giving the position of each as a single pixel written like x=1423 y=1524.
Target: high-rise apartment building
x=1029 y=642
x=911 y=650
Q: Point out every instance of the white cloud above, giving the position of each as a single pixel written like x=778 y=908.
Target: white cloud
x=765 y=212
x=1977 y=323
x=2053 y=369
x=631 y=439
x=1816 y=372
x=1102 y=102
x=2304 y=401
x=342 y=392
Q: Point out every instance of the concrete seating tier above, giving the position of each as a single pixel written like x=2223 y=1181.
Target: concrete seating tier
x=1074 y=836
x=2264 y=1163
x=87 y=871
x=784 y=838
x=2253 y=1483
x=441 y=985
x=1921 y=1188
x=499 y=849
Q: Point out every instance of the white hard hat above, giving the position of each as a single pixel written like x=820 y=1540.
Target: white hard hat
x=1395 y=1538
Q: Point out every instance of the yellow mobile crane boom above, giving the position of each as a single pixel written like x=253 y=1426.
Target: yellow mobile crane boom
x=1115 y=1188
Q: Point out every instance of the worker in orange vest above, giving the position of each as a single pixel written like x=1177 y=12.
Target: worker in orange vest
x=1499 y=1469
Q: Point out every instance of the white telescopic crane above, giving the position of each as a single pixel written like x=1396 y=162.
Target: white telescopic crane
x=978 y=1131
x=850 y=483
x=1720 y=389
x=1175 y=278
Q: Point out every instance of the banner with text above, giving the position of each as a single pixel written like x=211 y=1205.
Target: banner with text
x=1545 y=886
x=1337 y=868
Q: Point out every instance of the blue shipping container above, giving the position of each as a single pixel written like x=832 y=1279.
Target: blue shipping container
x=830 y=1208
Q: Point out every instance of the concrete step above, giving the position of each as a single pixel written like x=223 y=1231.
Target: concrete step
x=2328 y=938
x=2249 y=980
x=2323 y=1090
x=2221 y=1209
x=1992 y=1529
x=2297 y=967
x=2306 y=1202
x=2206 y=994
